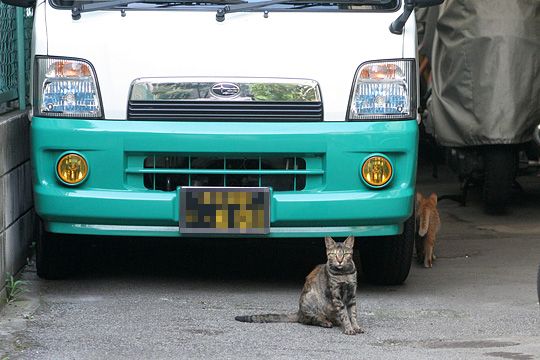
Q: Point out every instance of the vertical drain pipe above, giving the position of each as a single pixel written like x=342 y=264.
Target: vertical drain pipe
x=21 y=68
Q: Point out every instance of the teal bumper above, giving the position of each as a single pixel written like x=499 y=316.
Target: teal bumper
x=114 y=201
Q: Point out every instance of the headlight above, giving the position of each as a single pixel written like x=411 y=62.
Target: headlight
x=384 y=90
x=66 y=88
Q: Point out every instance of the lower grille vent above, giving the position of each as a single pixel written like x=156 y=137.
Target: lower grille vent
x=166 y=173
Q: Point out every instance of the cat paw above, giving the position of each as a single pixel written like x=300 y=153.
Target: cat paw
x=326 y=324
x=358 y=330
x=349 y=332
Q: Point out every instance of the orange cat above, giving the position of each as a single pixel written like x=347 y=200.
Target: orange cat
x=429 y=223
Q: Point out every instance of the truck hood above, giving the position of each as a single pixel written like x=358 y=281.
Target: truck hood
x=326 y=47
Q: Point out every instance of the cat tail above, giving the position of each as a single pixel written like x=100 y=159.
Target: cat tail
x=268 y=318
x=424 y=223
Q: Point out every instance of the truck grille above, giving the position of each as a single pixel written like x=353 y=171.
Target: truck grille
x=167 y=172
x=225 y=111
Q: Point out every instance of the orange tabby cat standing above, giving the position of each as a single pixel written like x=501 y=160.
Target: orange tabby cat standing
x=429 y=225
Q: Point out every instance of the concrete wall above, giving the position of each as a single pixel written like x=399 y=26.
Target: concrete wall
x=16 y=204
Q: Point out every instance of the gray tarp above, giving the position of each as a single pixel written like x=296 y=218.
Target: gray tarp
x=486 y=72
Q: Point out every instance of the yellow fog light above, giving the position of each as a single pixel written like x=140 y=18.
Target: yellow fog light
x=72 y=169
x=377 y=171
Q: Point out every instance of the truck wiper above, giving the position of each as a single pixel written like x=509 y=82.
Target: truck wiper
x=81 y=7
x=220 y=13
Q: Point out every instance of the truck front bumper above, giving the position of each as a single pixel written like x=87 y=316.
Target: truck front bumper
x=114 y=199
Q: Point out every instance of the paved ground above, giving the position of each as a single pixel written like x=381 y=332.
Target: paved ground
x=177 y=300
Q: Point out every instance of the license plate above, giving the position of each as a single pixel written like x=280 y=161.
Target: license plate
x=219 y=210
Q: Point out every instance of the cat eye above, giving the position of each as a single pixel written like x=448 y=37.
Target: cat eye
x=334 y=253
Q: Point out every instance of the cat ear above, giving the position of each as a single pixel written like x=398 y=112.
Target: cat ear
x=330 y=243
x=433 y=197
x=349 y=242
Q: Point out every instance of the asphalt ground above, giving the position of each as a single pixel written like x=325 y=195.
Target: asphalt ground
x=176 y=299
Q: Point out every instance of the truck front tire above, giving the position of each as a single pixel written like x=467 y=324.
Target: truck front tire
x=387 y=260
x=51 y=255
x=500 y=165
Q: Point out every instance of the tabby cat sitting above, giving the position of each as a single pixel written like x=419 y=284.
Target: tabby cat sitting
x=329 y=294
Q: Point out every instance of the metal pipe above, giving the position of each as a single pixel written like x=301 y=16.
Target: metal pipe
x=21 y=68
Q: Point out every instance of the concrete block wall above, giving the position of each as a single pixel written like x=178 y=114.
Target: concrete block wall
x=16 y=203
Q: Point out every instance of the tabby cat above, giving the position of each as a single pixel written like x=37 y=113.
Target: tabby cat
x=429 y=225
x=329 y=295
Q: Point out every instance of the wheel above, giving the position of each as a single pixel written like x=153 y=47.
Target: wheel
x=51 y=255
x=387 y=260
x=500 y=165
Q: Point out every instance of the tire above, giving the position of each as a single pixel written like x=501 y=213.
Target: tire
x=51 y=255
x=500 y=165
x=387 y=260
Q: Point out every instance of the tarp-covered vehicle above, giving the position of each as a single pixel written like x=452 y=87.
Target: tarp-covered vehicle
x=486 y=89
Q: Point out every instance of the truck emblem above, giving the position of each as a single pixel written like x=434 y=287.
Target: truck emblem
x=225 y=90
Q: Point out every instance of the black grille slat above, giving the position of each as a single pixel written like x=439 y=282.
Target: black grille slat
x=226 y=103
x=260 y=112
x=228 y=116
x=224 y=111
